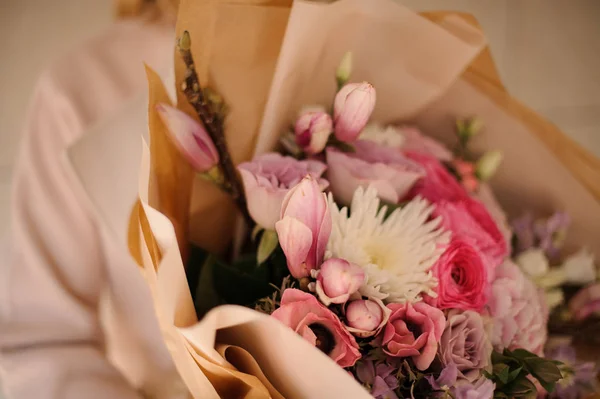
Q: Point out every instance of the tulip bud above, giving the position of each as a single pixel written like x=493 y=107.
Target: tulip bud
x=342 y=74
x=337 y=279
x=304 y=227
x=312 y=129
x=364 y=315
x=352 y=109
x=488 y=164
x=190 y=138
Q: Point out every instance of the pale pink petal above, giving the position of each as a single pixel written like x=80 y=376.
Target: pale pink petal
x=295 y=239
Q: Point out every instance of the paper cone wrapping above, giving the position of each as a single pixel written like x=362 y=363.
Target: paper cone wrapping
x=267 y=61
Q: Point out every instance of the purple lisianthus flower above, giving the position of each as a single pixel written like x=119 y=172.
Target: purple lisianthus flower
x=446 y=379
x=523 y=230
x=551 y=233
x=379 y=377
x=579 y=378
x=480 y=389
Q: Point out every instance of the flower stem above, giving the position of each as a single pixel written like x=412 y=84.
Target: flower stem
x=213 y=123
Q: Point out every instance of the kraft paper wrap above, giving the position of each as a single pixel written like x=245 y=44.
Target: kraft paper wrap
x=267 y=61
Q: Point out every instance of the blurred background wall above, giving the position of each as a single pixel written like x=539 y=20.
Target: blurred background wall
x=548 y=53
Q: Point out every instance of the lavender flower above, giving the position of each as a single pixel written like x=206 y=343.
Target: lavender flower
x=380 y=378
x=446 y=379
x=551 y=233
x=523 y=230
x=579 y=377
x=480 y=389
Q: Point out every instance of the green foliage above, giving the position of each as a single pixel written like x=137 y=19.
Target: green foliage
x=242 y=282
x=511 y=370
x=340 y=145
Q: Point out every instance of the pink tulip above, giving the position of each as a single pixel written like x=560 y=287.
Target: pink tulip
x=366 y=317
x=190 y=137
x=352 y=109
x=337 y=279
x=304 y=227
x=312 y=129
x=268 y=179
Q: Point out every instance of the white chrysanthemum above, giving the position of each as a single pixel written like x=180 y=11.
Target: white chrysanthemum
x=388 y=136
x=396 y=253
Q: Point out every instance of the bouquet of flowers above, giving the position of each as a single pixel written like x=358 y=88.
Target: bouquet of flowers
x=337 y=251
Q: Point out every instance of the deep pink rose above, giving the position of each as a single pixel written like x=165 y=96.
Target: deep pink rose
x=466 y=217
x=267 y=180
x=438 y=184
x=462 y=274
x=303 y=313
x=470 y=221
x=413 y=330
x=371 y=164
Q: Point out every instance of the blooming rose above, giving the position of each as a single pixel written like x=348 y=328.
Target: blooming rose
x=469 y=221
x=437 y=184
x=390 y=172
x=304 y=228
x=465 y=343
x=337 y=279
x=462 y=275
x=267 y=180
x=413 y=330
x=518 y=311
x=303 y=313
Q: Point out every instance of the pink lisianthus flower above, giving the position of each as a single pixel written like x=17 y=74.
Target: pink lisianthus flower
x=462 y=274
x=305 y=227
x=303 y=313
x=312 y=129
x=518 y=311
x=267 y=180
x=366 y=317
x=413 y=330
x=386 y=169
x=415 y=141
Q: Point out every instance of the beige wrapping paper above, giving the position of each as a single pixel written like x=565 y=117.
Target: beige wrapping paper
x=264 y=76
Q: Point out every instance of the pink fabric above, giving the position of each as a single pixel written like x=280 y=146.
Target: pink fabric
x=53 y=344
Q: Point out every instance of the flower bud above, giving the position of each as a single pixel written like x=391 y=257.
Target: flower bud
x=488 y=164
x=337 y=279
x=579 y=268
x=533 y=262
x=312 y=130
x=190 y=138
x=342 y=74
x=364 y=315
x=352 y=109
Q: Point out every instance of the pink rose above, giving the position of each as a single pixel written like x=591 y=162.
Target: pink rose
x=391 y=173
x=318 y=325
x=469 y=221
x=304 y=227
x=413 y=330
x=352 y=109
x=190 y=138
x=337 y=279
x=518 y=311
x=312 y=130
x=267 y=180
x=485 y=195
x=438 y=184
x=462 y=275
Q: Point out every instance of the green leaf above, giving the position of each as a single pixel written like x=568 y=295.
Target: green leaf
x=268 y=243
x=520 y=354
x=243 y=282
x=340 y=145
x=514 y=374
x=255 y=232
x=501 y=371
x=521 y=388
x=546 y=372
x=206 y=296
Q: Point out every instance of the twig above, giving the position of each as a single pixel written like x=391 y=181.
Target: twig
x=213 y=123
